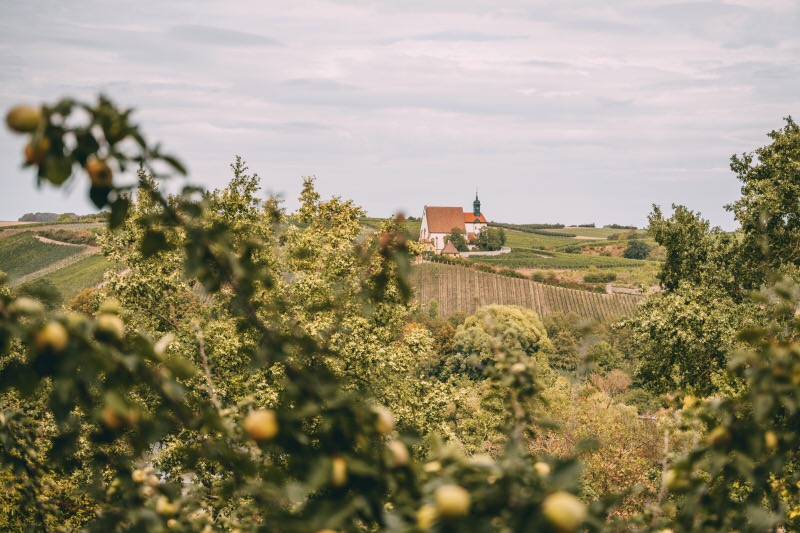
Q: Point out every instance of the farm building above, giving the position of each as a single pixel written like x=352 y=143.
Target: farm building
x=438 y=222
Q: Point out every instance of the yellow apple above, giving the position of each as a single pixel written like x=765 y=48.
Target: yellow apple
x=564 y=511
x=261 y=424
x=338 y=471
x=426 y=516
x=24 y=118
x=452 y=501
x=52 y=337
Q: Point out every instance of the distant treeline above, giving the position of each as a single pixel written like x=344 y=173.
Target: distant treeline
x=539 y=229
x=63 y=217
x=38 y=217
x=618 y=226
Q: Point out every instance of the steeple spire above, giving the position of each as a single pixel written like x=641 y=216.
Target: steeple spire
x=476 y=205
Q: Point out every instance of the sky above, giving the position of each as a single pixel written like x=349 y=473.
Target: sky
x=555 y=111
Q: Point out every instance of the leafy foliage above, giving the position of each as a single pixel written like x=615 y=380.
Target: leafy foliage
x=636 y=250
x=768 y=209
x=23 y=254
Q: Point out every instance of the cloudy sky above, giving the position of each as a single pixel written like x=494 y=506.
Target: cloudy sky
x=557 y=111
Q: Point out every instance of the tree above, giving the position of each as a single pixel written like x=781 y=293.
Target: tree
x=492 y=329
x=490 y=239
x=683 y=338
x=695 y=252
x=769 y=209
x=457 y=238
x=636 y=250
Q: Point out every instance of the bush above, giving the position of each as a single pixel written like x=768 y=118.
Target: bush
x=636 y=250
x=572 y=249
x=600 y=277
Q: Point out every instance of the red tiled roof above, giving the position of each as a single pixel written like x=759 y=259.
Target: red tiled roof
x=469 y=217
x=444 y=219
x=471 y=237
x=449 y=249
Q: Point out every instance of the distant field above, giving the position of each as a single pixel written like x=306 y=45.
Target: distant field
x=599 y=233
x=527 y=258
x=23 y=254
x=518 y=239
x=457 y=288
x=78 y=276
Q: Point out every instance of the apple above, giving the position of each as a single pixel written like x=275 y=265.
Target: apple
x=26 y=306
x=400 y=454
x=338 y=471
x=384 y=423
x=35 y=152
x=24 y=119
x=111 y=419
x=564 y=511
x=542 y=468
x=452 y=501
x=770 y=440
x=719 y=437
x=110 y=326
x=426 y=516
x=52 y=337
x=518 y=368
x=99 y=172
x=261 y=424
x=165 y=507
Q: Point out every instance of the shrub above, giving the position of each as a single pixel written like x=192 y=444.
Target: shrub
x=636 y=250
x=600 y=277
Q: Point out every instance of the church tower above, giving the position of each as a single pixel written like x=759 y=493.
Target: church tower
x=476 y=206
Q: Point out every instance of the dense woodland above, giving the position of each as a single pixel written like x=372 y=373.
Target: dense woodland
x=247 y=369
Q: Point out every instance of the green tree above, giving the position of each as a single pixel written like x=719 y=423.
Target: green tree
x=682 y=339
x=695 y=253
x=457 y=238
x=492 y=329
x=636 y=250
x=490 y=239
x=769 y=208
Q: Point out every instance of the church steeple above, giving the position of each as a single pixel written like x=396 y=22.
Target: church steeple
x=476 y=205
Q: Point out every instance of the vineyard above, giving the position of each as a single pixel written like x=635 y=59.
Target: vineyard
x=87 y=272
x=457 y=288
x=23 y=254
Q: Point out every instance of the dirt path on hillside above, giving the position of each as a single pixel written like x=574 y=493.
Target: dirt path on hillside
x=58 y=265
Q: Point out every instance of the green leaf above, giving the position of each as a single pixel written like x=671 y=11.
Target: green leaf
x=57 y=169
x=174 y=163
x=153 y=242
x=99 y=195
x=119 y=212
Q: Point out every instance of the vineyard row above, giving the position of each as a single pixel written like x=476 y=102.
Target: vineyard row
x=456 y=288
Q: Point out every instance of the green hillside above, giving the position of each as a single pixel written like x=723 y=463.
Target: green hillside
x=85 y=273
x=527 y=258
x=457 y=288
x=23 y=254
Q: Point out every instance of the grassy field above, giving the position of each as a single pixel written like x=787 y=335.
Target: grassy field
x=457 y=288
x=22 y=254
x=597 y=233
x=518 y=239
x=527 y=258
x=78 y=276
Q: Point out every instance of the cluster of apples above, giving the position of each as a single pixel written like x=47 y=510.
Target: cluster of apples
x=31 y=120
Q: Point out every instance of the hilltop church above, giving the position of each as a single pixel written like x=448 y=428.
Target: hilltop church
x=437 y=222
